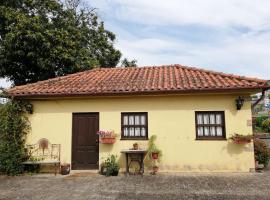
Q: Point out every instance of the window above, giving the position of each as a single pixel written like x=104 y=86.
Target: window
x=134 y=126
x=210 y=125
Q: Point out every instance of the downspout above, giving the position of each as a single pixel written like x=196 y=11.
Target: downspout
x=261 y=98
x=254 y=137
x=253 y=106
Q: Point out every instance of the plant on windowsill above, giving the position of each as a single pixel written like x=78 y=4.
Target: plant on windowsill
x=241 y=139
x=107 y=137
x=153 y=153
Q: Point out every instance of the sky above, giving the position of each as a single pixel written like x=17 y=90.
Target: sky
x=232 y=36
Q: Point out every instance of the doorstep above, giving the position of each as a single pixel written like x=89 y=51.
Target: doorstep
x=93 y=171
x=82 y=173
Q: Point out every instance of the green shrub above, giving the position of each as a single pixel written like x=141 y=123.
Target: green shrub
x=14 y=127
x=262 y=152
x=259 y=120
x=258 y=129
x=110 y=167
x=266 y=125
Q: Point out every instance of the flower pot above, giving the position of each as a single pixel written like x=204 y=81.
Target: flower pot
x=107 y=140
x=155 y=155
x=258 y=167
x=241 y=140
x=135 y=146
x=65 y=169
x=114 y=173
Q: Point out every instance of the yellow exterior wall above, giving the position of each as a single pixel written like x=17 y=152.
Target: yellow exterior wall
x=171 y=118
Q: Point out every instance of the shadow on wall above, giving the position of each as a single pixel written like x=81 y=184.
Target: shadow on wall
x=105 y=150
x=199 y=102
x=234 y=112
x=234 y=149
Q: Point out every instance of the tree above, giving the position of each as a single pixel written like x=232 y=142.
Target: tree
x=126 y=63
x=14 y=126
x=41 y=39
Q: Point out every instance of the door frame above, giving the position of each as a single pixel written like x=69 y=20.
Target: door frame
x=72 y=132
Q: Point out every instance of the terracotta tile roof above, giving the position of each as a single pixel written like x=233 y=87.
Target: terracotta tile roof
x=139 y=80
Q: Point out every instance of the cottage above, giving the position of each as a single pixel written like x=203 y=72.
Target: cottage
x=192 y=111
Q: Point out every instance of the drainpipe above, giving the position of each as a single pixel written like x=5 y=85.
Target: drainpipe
x=253 y=106
x=261 y=98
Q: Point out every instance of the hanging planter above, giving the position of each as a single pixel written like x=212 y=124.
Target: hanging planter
x=107 y=140
x=107 y=137
x=241 y=139
x=154 y=154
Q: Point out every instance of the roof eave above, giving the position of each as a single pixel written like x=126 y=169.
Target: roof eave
x=149 y=92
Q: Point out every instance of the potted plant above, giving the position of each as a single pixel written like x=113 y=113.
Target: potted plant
x=65 y=168
x=106 y=137
x=155 y=169
x=241 y=139
x=262 y=154
x=110 y=166
x=135 y=146
x=153 y=153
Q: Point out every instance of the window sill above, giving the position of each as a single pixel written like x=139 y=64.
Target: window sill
x=211 y=139
x=134 y=139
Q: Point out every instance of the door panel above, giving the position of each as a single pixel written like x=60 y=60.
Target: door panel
x=85 y=146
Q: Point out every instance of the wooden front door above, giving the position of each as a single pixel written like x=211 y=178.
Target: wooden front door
x=85 y=144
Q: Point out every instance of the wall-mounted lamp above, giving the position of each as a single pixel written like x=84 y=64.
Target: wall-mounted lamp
x=239 y=102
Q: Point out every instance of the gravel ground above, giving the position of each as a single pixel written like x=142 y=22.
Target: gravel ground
x=162 y=186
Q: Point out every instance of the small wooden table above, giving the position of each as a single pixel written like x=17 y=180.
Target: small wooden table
x=139 y=159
